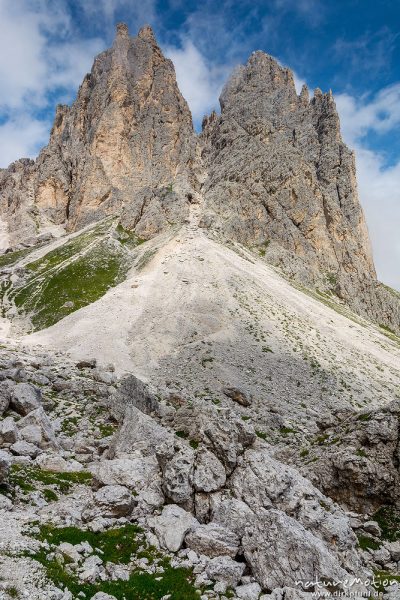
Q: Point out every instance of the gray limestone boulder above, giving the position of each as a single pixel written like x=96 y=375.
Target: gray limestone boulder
x=25 y=398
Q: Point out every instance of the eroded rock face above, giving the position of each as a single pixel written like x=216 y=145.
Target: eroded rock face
x=281 y=178
x=124 y=147
x=360 y=470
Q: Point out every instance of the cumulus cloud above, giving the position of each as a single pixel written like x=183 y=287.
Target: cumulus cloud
x=199 y=81
x=40 y=56
x=379 y=184
x=21 y=137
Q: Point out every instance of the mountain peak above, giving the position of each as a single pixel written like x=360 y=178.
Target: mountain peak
x=147 y=33
x=122 y=30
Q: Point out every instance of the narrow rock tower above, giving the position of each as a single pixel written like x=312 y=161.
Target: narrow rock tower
x=124 y=147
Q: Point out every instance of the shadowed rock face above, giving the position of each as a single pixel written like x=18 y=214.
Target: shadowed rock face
x=126 y=145
x=272 y=171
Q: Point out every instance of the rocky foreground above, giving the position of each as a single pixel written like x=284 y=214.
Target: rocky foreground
x=109 y=491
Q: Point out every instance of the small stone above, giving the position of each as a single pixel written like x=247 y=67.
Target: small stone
x=373 y=528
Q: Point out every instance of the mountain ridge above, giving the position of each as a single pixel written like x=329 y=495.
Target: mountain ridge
x=270 y=172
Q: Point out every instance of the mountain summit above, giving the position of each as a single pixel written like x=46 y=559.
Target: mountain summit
x=270 y=172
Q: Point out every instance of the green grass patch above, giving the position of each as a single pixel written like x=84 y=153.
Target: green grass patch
x=388 y=519
x=9 y=259
x=28 y=479
x=286 y=430
x=366 y=543
x=107 y=429
x=261 y=435
x=73 y=275
x=118 y=546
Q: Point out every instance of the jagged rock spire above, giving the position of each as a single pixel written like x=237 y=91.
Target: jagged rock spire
x=127 y=136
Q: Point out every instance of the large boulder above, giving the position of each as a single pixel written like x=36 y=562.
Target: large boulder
x=8 y=431
x=22 y=448
x=226 y=570
x=140 y=474
x=177 y=464
x=209 y=473
x=213 y=540
x=39 y=418
x=222 y=432
x=172 y=525
x=6 y=388
x=111 y=501
x=139 y=433
x=263 y=482
x=280 y=551
x=25 y=398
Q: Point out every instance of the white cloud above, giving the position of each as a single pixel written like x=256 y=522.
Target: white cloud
x=22 y=137
x=38 y=55
x=380 y=114
x=199 y=81
x=379 y=185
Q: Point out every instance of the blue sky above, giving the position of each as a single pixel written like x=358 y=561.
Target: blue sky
x=351 y=47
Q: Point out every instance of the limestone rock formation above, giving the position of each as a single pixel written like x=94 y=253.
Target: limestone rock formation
x=126 y=146
x=280 y=177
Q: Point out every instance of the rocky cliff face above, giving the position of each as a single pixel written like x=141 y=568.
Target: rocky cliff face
x=126 y=146
x=281 y=178
x=270 y=172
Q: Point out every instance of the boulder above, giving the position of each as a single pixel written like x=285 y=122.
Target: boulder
x=213 y=540
x=39 y=419
x=31 y=434
x=113 y=501
x=237 y=395
x=249 y=591
x=5 y=463
x=6 y=388
x=25 y=398
x=103 y=596
x=225 y=570
x=177 y=472
x=280 y=551
x=263 y=482
x=231 y=513
x=172 y=525
x=8 y=431
x=22 y=448
x=394 y=549
x=139 y=433
x=57 y=464
x=209 y=474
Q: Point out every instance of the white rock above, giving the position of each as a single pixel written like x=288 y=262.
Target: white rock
x=224 y=569
x=113 y=501
x=280 y=552
x=209 y=473
x=25 y=398
x=250 y=591
x=172 y=526
x=22 y=448
x=57 y=464
x=31 y=434
x=213 y=540
x=8 y=431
